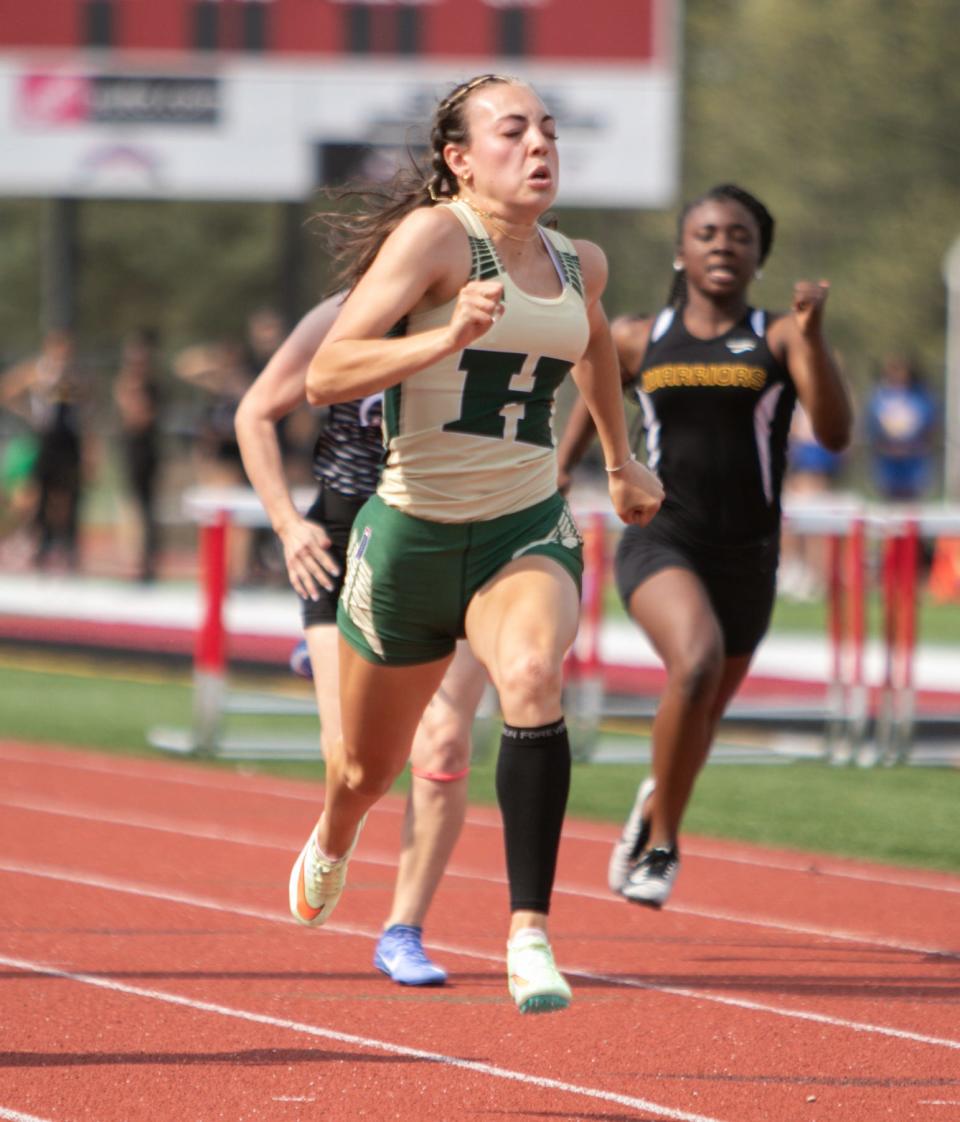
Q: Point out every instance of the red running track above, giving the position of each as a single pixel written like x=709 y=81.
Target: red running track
x=150 y=972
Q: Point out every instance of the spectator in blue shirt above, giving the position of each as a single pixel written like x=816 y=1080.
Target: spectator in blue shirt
x=901 y=418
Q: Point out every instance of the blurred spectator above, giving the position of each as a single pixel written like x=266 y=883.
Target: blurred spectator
x=296 y=432
x=901 y=418
x=812 y=472
x=136 y=395
x=219 y=372
x=18 y=491
x=47 y=392
x=265 y=332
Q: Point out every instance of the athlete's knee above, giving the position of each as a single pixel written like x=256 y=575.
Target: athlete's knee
x=441 y=776
x=441 y=751
x=697 y=672
x=529 y=678
x=367 y=780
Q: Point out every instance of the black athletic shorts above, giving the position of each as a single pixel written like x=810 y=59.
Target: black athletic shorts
x=335 y=513
x=740 y=581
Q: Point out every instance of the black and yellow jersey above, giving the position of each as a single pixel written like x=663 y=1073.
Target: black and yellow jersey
x=716 y=415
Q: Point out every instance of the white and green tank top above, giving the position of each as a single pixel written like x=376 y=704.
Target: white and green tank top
x=471 y=437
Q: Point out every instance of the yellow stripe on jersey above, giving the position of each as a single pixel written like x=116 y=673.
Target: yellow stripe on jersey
x=735 y=375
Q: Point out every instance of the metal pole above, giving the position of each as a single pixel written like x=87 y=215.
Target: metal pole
x=885 y=731
x=906 y=702
x=60 y=263
x=858 y=714
x=290 y=261
x=951 y=427
x=837 y=697
x=210 y=653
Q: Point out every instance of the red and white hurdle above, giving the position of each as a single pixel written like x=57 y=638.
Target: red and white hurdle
x=864 y=721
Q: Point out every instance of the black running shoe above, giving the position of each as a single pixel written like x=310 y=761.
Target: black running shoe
x=651 y=879
x=632 y=841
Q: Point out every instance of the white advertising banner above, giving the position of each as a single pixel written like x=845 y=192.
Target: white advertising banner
x=261 y=130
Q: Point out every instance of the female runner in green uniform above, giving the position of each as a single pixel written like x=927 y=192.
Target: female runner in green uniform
x=469 y=314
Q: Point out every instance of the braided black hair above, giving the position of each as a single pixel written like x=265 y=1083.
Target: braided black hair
x=723 y=192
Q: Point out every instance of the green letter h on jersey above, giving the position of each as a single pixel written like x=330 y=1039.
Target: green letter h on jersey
x=508 y=396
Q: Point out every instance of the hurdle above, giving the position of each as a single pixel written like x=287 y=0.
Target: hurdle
x=214 y=510
x=896 y=707
x=867 y=719
x=868 y=715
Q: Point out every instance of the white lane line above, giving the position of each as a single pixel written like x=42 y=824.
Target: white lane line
x=124 y=768
x=110 y=884
x=820 y=866
x=372 y=1043
x=19 y=1116
x=163 y=825
x=220 y=834
x=723 y=915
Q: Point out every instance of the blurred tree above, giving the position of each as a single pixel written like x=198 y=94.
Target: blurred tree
x=195 y=269
x=840 y=114
x=21 y=232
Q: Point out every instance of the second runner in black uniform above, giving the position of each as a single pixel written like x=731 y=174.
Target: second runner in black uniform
x=716 y=417
x=347 y=458
x=717 y=381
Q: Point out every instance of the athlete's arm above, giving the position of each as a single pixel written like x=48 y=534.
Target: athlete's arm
x=425 y=262
x=797 y=338
x=630 y=341
x=635 y=491
x=281 y=388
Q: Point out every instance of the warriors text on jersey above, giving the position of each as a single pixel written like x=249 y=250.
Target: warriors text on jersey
x=349 y=449
x=471 y=437
x=716 y=414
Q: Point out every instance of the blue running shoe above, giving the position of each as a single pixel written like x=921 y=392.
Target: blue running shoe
x=401 y=956
x=300 y=660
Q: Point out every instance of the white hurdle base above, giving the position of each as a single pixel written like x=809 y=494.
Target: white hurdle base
x=182 y=742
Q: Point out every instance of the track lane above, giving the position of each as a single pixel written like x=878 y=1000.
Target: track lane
x=202 y=777
x=806 y=901
x=662 y=1043
x=672 y=947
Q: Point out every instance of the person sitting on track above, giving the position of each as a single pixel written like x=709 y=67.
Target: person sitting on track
x=716 y=381
x=468 y=314
x=346 y=464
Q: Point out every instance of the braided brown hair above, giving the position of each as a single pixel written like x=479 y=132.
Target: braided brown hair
x=356 y=238
x=724 y=192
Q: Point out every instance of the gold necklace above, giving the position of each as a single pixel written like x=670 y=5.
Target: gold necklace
x=494 y=222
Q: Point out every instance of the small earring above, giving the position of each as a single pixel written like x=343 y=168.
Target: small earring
x=758 y=275
x=678 y=266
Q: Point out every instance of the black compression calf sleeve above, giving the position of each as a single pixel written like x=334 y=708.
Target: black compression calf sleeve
x=533 y=781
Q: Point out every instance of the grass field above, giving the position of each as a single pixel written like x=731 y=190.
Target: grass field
x=936 y=622
x=901 y=815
